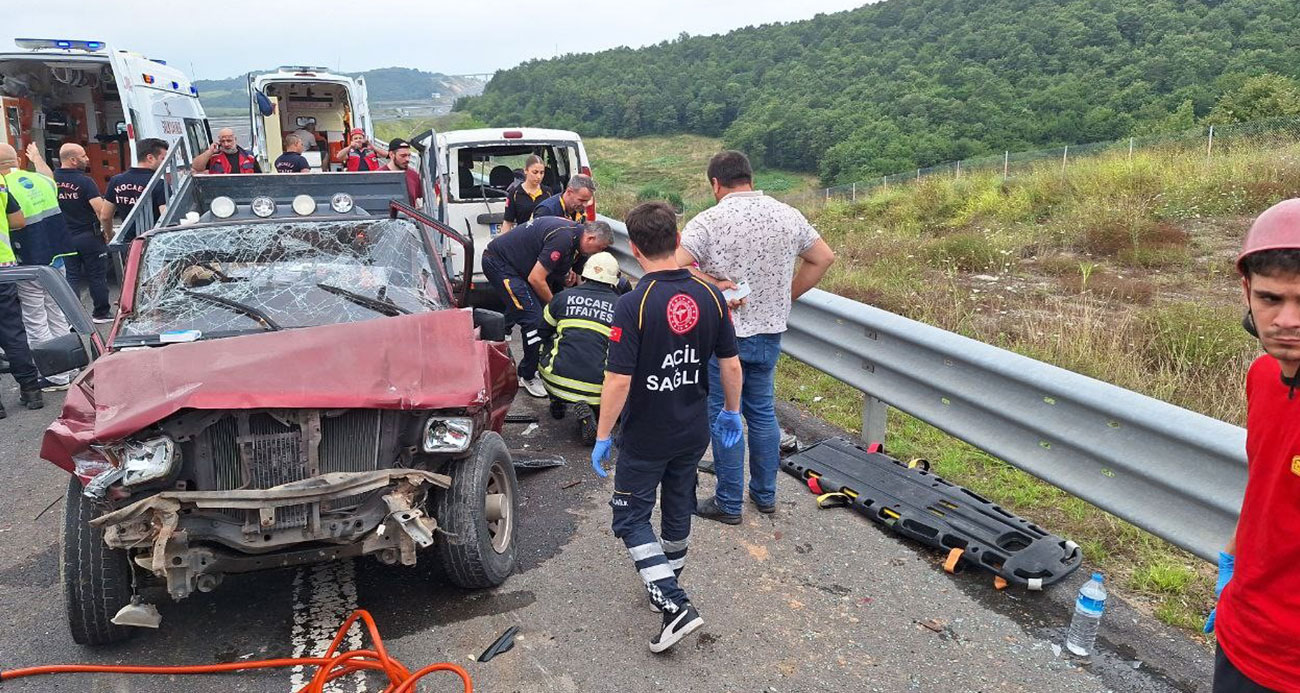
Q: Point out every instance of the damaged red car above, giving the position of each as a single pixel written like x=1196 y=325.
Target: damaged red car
x=282 y=386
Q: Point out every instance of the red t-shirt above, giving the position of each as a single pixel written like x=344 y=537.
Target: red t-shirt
x=1258 y=622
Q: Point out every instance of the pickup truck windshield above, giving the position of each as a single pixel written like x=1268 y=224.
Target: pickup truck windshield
x=222 y=279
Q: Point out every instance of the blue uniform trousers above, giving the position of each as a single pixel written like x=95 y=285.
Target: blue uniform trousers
x=658 y=560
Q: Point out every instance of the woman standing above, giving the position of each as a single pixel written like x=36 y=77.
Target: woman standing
x=521 y=198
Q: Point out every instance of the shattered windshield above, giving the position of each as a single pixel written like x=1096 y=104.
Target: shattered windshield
x=246 y=277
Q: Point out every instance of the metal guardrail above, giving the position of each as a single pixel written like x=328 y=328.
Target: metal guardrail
x=1172 y=472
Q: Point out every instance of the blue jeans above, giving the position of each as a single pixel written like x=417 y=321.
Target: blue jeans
x=758 y=355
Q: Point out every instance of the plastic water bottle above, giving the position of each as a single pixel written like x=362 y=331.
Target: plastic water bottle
x=1087 y=616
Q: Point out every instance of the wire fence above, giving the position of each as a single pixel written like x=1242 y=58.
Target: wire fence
x=1212 y=138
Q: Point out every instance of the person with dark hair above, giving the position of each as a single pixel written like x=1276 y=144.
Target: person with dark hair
x=748 y=244
x=292 y=160
x=522 y=196
x=527 y=266
x=1257 y=621
x=125 y=189
x=399 y=159
x=664 y=333
x=570 y=204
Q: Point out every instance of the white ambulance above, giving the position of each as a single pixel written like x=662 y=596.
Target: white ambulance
x=55 y=91
x=313 y=102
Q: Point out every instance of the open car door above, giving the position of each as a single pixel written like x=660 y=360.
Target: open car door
x=258 y=144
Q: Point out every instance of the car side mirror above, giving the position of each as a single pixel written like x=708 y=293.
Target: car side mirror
x=61 y=354
x=491 y=326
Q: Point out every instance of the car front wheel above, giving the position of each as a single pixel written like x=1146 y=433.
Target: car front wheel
x=478 y=515
x=96 y=578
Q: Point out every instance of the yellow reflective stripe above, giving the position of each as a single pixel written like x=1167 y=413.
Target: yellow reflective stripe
x=641 y=314
x=546 y=315
x=506 y=284
x=711 y=295
x=583 y=325
x=570 y=383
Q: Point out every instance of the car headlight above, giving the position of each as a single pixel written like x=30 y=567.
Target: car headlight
x=263 y=206
x=447 y=434
x=342 y=203
x=222 y=207
x=146 y=460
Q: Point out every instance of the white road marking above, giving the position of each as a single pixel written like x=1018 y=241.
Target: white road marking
x=323 y=596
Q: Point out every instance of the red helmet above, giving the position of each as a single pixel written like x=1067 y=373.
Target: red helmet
x=1278 y=227
x=357 y=131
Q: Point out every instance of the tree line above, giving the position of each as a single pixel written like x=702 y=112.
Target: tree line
x=909 y=83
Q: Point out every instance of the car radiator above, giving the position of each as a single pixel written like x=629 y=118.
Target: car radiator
x=262 y=449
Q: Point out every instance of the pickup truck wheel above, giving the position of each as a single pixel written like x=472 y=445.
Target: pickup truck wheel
x=477 y=514
x=96 y=578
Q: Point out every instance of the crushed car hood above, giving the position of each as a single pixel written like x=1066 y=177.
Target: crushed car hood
x=422 y=361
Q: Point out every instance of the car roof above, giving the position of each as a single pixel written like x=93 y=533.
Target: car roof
x=482 y=135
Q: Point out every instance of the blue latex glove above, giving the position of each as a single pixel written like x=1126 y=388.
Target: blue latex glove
x=1226 y=564
x=599 y=455
x=727 y=428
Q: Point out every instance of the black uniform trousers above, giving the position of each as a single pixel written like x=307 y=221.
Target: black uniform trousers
x=13 y=339
x=522 y=309
x=88 y=267
x=658 y=560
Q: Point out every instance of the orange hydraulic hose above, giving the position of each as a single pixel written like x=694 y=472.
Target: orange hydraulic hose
x=332 y=666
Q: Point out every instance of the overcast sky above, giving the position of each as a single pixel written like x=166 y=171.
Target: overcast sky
x=212 y=40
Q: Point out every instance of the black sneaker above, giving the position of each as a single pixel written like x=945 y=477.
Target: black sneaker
x=677 y=626
x=102 y=319
x=4 y=414
x=709 y=510
x=558 y=409
x=765 y=508
x=32 y=399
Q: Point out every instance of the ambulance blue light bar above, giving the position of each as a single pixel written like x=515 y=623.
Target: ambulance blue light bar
x=60 y=44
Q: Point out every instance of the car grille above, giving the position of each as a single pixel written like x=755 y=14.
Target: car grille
x=262 y=449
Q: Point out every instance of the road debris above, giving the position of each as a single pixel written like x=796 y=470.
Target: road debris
x=502 y=644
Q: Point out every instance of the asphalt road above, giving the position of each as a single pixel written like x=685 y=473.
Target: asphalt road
x=805 y=600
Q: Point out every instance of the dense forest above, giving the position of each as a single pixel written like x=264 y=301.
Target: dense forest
x=907 y=83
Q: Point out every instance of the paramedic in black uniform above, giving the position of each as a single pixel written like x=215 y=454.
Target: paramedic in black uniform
x=664 y=333
x=527 y=266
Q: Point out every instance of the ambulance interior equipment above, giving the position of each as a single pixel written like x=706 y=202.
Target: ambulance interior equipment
x=58 y=91
x=306 y=98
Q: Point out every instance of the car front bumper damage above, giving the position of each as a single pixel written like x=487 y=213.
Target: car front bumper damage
x=162 y=527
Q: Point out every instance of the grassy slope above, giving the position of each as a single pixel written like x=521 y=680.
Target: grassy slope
x=668 y=168
x=1119 y=269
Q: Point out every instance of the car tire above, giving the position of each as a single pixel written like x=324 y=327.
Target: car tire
x=96 y=578
x=477 y=551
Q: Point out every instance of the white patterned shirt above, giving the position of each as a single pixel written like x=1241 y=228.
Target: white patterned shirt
x=752 y=238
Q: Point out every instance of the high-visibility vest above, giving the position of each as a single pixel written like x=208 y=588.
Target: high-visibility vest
x=7 y=256
x=38 y=197
x=353 y=162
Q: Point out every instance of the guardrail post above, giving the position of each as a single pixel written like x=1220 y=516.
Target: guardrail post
x=875 y=416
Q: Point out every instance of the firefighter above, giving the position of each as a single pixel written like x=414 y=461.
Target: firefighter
x=575 y=339
x=527 y=266
x=663 y=335
x=225 y=156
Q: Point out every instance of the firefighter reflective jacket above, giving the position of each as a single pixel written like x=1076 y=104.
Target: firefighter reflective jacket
x=577 y=332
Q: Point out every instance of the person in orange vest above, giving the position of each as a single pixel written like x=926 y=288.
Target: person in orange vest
x=226 y=156
x=361 y=154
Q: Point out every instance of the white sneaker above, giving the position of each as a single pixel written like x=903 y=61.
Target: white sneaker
x=534 y=387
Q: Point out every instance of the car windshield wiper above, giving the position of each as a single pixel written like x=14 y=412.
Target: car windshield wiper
x=234 y=305
x=384 y=307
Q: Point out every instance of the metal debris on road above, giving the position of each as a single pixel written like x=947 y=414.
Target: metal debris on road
x=521 y=418
x=536 y=460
